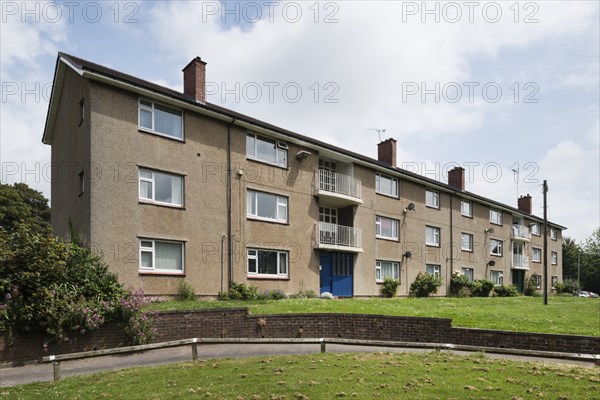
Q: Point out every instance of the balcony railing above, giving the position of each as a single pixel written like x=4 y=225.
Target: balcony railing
x=520 y=261
x=520 y=232
x=337 y=183
x=339 y=235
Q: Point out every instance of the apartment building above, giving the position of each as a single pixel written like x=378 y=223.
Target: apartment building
x=169 y=187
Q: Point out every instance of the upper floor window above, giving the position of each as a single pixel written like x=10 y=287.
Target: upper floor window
x=495 y=247
x=466 y=208
x=466 y=241
x=432 y=198
x=160 y=187
x=386 y=185
x=553 y=234
x=161 y=256
x=267 y=206
x=268 y=263
x=554 y=258
x=496 y=217
x=535 y=229
x=386 y=228
x=433 y=270
x=432 y=236
x=386 y=269
x=160 y=119
x=536 y=254
x=266 y=150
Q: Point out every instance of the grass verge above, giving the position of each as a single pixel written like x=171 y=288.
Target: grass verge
x=435 y=375
x=565 y=315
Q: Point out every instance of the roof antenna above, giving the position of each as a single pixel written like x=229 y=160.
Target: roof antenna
x=378 y=132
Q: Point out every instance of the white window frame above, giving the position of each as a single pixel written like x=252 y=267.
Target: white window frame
x=535 y=229
x=152 y=109
x=436 y=233
x=152 y=250
x=281 y=150
x=469 y=246
x=393 y=184
x=499 y=245
x=281 y=202
x=378 y=230
x=464 y=213
x=432 y=198
x=495 y=216
x=283 y=269
x=553 y=281
x=379 y=264
x=469 y=273
x=536 y=254
x=553 y=234
x=538 y=281
x=152 y=181
x=436 y=270
x=554 y=258
x=497 y=277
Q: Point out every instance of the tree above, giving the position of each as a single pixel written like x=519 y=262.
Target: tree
x=590 y=263
x=571 y=251
x=21 y=204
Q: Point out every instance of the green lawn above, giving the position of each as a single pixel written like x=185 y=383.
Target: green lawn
x=434 y=375
x=563 y=314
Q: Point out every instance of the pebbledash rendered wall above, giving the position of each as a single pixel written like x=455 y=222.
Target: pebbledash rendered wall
x=237 y=323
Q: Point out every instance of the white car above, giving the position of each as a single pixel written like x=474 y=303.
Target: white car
x=583 y=293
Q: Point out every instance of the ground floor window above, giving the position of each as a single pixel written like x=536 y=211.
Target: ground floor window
x=267 y=263
x=497 y=277
x=433 y=269
x=161 y=256
x=554 y=280
x=468 y=272
x=386 y=269
x=538 y=281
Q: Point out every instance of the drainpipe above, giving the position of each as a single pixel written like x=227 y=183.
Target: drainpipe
x=223 y=261
x=229 y=217
x=451 y=246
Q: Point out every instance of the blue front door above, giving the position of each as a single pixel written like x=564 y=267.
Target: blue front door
x=336 y=273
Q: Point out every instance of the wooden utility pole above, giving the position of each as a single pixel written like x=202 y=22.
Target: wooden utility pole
x=545 y=243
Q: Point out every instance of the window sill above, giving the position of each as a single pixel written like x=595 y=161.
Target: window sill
x=466 y=216
x=496 y=255
x=495 y=223
x=432 y=207
x=272 y=221
x=151 y=203
x=432 y=245
x=387 y=238
x=162 y=273
x=268 y=277
x=151 y=132
x=388 y=195
x=268 y=163
x=467 y=250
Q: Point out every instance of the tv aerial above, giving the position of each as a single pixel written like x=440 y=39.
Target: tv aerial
x=379 y=131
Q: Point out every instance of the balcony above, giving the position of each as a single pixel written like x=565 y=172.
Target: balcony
x=338 y=190
x=338 y=237
x=520 y=232
x=520 y=262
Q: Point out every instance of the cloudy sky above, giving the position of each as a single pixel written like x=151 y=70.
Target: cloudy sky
x=492 y=86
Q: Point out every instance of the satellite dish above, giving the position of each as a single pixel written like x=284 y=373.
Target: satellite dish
x=411 y=206
x=408 y=254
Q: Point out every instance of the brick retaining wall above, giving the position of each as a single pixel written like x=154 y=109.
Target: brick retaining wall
x=237 y=323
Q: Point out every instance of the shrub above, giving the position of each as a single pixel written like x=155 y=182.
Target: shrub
x=481 y=288
x=185 y=292
x=239 y=291
x=505 y=291
x=390 y=286
x=530 y=286
x=327 y=296
x=275 y=294
x=570 y=286
x=424 y=285
x=559 y=287
x=304 y=294
x=459 y=285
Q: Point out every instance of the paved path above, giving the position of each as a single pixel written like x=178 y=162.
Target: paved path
x=10 y=376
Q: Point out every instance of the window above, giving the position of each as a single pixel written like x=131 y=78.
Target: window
x=386 y=269
x=497 y=277
x=160 y=119
x=271 y=263
x=536 y=254
x=432 y=198
x=161 y=256
x=495 y=247
x=468 y=272
x=81 y=110
x=267 y=206
x=432 y=236
x=537 y=279
x=328 y=215
x=386 y=185
x=466 y=208
x=81 y=182
x=433 y=269
x=496 y=217
x=466 y=242
x=554 y=280
x=535 y=229
x=386 y=228
x=266 y=150
x=160 y=187
x=553 y=234
x=554 y=258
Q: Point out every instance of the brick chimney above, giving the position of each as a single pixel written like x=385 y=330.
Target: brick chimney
x=194 y=80
x=456 y=178
x=525 y=204
x=386 y=152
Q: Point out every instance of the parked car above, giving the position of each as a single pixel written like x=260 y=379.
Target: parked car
x=583 y=293
x=592 y=294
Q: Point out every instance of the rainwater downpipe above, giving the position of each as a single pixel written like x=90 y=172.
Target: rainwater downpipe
x=229 y=217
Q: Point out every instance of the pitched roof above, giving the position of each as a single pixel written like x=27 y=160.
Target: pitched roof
x=85 y=65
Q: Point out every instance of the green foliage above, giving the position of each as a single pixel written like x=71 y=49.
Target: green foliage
x=424 y=285
x=390 y=287
x=239 y=291
x=275 y=294
x=559 y=287
x=570 y=286
x=459 y=285
x=185 y=292
x=587 y=257
x=481 y=288
x=59 y=288
x=19 y=204
x=505 y=291
x=304 y=294
x=530 y=286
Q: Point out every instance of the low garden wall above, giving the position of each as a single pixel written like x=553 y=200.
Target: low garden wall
x=237 y=323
